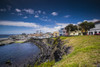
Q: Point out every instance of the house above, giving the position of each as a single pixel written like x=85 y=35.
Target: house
x=48 y=34
x=63 y=32
x=96 y=30
x=55 y=34
x=73 y=33
x=18 y=37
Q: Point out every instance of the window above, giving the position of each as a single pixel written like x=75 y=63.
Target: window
x=61 y=28
x=60 y=34
x=95 y=32
x=60 y=31
x=63 y=31
x=91 y=33
x=79 y=34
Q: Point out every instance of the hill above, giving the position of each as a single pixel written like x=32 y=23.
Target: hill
x=85 y=52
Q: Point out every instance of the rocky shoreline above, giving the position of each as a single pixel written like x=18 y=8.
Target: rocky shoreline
x=6 y=41
x=10 y=41
x=51 y=49
x=54 y=51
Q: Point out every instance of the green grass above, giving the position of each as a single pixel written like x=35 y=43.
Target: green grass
x=85 y=52
x=46 y=64
x=62 y=38
x=19 y=41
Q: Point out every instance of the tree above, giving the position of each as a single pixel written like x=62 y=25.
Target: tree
x=86 y=26
x=71 y=27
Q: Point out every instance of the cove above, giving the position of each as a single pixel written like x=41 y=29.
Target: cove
x=20 y=54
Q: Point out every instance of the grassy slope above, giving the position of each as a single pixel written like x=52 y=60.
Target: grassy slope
x=85 y=52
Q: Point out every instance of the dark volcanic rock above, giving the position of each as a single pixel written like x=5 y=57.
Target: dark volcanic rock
x=54 y=51
x=57 y=55
x=9 y=62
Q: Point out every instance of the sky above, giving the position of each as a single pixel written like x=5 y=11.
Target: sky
x=28 y=16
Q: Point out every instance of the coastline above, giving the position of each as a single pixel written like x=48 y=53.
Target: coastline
x=5 y=41
x=25 y=52
x=50 y=53
x=51 y=49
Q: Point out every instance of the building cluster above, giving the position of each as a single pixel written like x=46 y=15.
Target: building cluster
x=64 y=32
x=96 y=30
x=40 y=35
x=61 y=32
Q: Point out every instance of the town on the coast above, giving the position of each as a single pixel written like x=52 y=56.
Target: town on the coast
x=70 y=30
x=49 y=33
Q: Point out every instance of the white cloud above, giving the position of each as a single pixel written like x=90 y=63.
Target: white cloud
x=34 y=26
x=3 y=10
x=44 y=12
x=94 y=20
x=36 y=16
x=30 y=11
x=42 y=19
x=17 y=10
x=79 y=22
x=54 y=13
x=47 y=29
x=67 y=16
x=18 y=23
x=45 y=19
x=27 y=31
x=25 y=17
x=62 y=24
x=57 y=28
x=39 y=11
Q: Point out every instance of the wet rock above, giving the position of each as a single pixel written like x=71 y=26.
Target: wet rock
x=57 y=55
x=8 y=62
x=7 y=41
x=54 y=51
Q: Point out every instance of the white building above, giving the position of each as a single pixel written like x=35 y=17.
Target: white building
x=62 y=32
x=74 y=33
x=96 y=30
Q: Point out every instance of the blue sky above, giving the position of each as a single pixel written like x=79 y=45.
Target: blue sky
x=28 y=16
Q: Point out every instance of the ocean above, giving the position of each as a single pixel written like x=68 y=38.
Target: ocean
x=5 y=35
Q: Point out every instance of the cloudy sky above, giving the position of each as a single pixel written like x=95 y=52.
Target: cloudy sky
x=27 y=16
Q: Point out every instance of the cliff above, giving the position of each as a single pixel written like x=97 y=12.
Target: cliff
x=51 y=50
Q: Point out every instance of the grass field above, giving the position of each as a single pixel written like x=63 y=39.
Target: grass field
x=85 y=52
x=19 y=41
